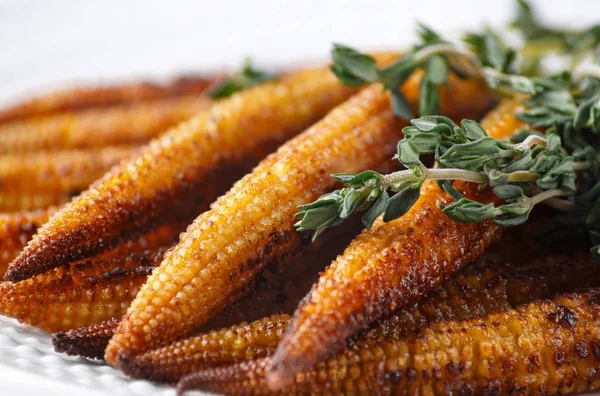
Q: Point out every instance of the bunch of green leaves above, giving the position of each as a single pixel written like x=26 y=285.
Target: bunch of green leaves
x=537 y=166
x=247 y=77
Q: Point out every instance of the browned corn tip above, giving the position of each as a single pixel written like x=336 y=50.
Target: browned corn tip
x=240 y=342
x=545 y=347
x=38 y=180
x=386 y=267
x=16 y=229
x=89 y=291
x=197 y=160
x=86 y=341
x=133 y=124
x=85 y=97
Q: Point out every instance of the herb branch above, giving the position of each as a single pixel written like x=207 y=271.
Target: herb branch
x=484 y=56
x=537 y=164
x=247 y=77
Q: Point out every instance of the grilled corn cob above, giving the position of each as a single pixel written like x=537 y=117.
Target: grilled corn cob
x=82 y=98
x=86 y=294
x=86 y=341
x=545 y=347
x=186 y=161
x=253 y=223
x=125 y=125
x=16 y=229
x=467 y=295
x=386 y=267
x=38 y=180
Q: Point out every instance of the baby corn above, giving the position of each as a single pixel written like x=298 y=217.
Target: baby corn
x=253 y=223
x=78 y=298
x=83 y=97
x=124 y=125
x=16 y=229
x=198 y=159
x=86 y=341
x=384 y=268
x=38 y=180
x=237 y=343
x=546 y=347
x=466 y=295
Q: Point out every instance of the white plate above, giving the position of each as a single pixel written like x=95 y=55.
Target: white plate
x=46 y=44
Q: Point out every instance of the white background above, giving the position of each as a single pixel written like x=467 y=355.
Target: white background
x=48 y=44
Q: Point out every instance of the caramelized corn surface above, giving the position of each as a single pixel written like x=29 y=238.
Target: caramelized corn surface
x=384 y=268
x=124 y=125
x=16 y=229
x=253 y=223
x=85 y=97
x=38 y=180
x=545 y=347
x=85 y=341
x=191 y=160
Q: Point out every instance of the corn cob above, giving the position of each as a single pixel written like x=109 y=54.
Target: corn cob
x=83 y=98
x=16 y=229
x=86 y=294
x=89 y=291
x=545 y=347
x=237 y=343
x=125 y=125
x=38 y=180
x=86 y=341
x=253 y=223
x=384 y=268
x=468 y=294
x=187 y=161
x=278 y=290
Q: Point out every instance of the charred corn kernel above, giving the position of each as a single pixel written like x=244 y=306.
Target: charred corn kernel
x=240 y=342
x=86 y=341
x=386 y=267
x=545 y=347
x=252 y=224
x=86 y=97
x=16 y=229
x=80 y=295
x=38 y=180
x=466 y=295
x=198 y=159
x=124 y=125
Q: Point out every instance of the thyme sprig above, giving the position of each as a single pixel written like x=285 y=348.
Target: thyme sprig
x=513 y=170
x=247 y=77
x=483 y=55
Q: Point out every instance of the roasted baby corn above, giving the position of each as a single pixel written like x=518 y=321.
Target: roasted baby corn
x=237 y=343
x=86 y=341
x=16 y=229
x=125 y=125
x=82 y=98
x=253 y=223
x=545 y=347
x=466 y=295
x=198 y=159
x=38 y=180
x=88 y=293
x=384 y=268
x=278 y=290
